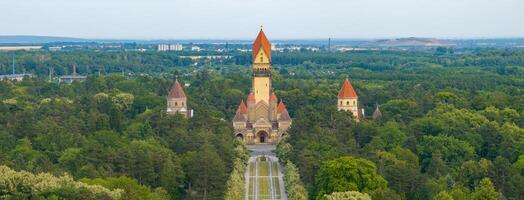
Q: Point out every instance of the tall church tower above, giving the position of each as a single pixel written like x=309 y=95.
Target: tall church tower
x=261 y=68
x=263 y=119
x=348 y=100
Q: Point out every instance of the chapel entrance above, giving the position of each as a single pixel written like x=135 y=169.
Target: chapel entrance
x=262 y=136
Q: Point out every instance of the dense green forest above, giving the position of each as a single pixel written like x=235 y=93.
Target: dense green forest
x=452 y=123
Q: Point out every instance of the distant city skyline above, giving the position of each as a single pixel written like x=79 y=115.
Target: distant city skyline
x=284 y=19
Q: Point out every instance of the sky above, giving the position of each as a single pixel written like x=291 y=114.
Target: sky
x=281 y=19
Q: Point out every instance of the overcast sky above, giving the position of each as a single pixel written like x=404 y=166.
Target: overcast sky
x=282 y=19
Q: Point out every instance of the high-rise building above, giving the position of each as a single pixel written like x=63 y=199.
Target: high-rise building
x=170 y=47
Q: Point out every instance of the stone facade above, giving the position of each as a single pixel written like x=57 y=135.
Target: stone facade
x=263 y=120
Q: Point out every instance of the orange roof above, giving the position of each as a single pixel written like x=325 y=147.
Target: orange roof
x=177 y=91
x=347 y=90
x=242 y=107
x=263 y=42
x=281 y=107
x=273 y=97
x=251 y=97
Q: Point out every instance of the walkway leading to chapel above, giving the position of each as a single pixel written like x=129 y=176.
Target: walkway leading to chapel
x=264 y=178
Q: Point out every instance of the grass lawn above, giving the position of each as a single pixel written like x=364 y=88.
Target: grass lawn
x=263 y=180
x=264 y=188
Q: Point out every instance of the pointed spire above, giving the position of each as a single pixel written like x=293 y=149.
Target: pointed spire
x=262 y=43
x=251 y=97
x=177 y=91
x=377 y=114
x=273 y=97
x=281 y=107
x=347 y=90
x=242 y=107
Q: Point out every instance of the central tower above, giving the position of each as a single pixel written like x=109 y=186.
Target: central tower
x=263 y=119
x=261 y=68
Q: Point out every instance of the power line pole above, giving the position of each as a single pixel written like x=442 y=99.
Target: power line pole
x=13 y=65
x=329 y=44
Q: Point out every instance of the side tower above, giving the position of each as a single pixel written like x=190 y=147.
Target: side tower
x=262 y=120
x=348 y=100
x=177 y=101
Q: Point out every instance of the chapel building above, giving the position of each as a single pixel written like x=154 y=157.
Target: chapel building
x=348 y=101
x=177 y=101
x=262 y=119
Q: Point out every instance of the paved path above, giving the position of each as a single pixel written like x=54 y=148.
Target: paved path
x=264 y=178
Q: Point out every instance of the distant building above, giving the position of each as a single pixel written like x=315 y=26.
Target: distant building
x=195 y=58
x=54 y=48
x=314 y=49
x=377 y=114
x=195 y=48
x=177 y=101
x=348 y=101
x=294 y=48
x=72 y=78
x=170 y=47
x=16 y=48
x=176 y=47
x=15 y=77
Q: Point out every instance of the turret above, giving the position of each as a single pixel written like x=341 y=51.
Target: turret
x=348 y=99
x=377 y=114
x=273 y=107
x=177 y=101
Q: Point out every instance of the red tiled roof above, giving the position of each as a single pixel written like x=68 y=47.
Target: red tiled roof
x=263 y=42
x=273 y=97
x=177 y=91
x=251 y=97
x=242 y=107
x=347 y=90
x=281 y=107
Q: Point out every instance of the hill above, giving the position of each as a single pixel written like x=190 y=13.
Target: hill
x=28 y=39
x=413 y=42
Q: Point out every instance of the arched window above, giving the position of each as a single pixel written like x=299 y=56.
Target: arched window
x=176 y=104
x=347 y=102
x=354 y=102
x=261 y=59
x=340 y=102
x=182 y=103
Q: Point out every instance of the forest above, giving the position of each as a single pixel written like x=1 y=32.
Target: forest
x=451 y=125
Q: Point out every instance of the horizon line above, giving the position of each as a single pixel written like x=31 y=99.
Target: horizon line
x=282 y=38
